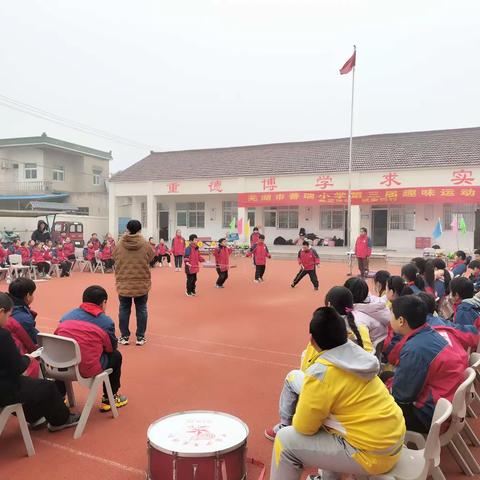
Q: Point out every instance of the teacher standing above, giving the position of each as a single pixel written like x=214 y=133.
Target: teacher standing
x=41 y=234
x=132 y=256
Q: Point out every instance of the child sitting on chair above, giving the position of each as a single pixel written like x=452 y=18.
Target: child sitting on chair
x=95 y=333
x=343 y=421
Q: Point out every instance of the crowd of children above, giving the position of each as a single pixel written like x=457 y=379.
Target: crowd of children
x=409 y=346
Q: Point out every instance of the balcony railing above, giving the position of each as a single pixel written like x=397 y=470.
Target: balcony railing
x=17 y=188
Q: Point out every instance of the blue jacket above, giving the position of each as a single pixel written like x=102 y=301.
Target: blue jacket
x=459 y=269
x=429 y=368
x=26 y=318
x=468 y=312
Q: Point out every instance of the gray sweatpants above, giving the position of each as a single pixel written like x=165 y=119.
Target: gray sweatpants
x=289 y=396
x=293 y=451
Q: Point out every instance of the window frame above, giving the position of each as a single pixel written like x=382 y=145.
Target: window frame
x=29 y=168
x=191 y=210
x=465 y=210
x=97 y=177
x=405 y=220
x=330 y=216
x=56 y=171
x=229 y=212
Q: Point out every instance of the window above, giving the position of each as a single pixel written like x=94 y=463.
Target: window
x=30 y=171
x=143 y=214
x=230 y=211
x=287 y=217
x=83 y=211
x=251 y=216
x=457 y=211
x=58 y=174
x=191 y=214
x=270 y=216
x=401 y=218
x=332 y=219
x=76 y=228
x=97 y=177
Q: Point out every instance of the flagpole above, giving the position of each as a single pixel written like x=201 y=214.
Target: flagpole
x=349 y=200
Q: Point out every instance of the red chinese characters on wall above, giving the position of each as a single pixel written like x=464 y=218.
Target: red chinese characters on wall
x=462 y=177
x=269 y=184
x=215 y=186
x=390 y=179
x=324 y=181
x=173 y=187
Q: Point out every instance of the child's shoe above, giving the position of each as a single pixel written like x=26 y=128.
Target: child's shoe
x=124 y=340
x=141 y=341
x=120 y=401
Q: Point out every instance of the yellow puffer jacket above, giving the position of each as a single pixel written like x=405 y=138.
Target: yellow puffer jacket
x=342 y=393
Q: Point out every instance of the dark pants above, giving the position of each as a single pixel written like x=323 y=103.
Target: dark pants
x=141 y=311
x=154 y=261
x=302 y=273
x=43 y=267
x=363 y=266
x=222 y=277
x=259 y=271
x=412 y=419
x=115 y=363
x=178 y=261
x=108 y=264
x=41 y=398
x=65 y=268
x=191 y=282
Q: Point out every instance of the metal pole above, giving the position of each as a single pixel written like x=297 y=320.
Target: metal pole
x=349 y=201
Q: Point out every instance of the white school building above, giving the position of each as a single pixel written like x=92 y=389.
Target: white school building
x=401 y=184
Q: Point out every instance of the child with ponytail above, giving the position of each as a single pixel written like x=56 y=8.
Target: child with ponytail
x=412 y=277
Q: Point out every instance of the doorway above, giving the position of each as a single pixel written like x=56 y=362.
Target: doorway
x=476 y=234
x=379 y=227
x=163 y=220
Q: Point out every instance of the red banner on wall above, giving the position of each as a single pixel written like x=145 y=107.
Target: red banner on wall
x=400 y=196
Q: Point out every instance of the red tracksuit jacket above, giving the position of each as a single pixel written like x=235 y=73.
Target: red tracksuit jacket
x=308 y=259
x=260 y=253
x=178 y=245
x=222 y=258
x=162 y=249
x=193 y=259
x=69 y=249
x=363 y=246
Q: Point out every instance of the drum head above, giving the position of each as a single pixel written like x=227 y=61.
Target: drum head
x=197 y=433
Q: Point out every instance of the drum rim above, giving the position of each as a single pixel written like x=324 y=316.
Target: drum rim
x=198 y=455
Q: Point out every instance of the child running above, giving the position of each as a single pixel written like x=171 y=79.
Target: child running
x=260 y=253
x=192 y=265
x=222 y=261
x=308 y=260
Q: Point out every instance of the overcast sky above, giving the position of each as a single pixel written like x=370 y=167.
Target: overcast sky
x=185 y=74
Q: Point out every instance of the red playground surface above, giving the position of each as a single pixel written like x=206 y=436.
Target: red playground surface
x=225 y=350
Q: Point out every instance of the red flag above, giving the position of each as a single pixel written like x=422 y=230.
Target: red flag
x=349 y=64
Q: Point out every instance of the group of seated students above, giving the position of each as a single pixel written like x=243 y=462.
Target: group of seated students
x=20 y=380
x=103 y=251
x=375 y=366
x=42 y=255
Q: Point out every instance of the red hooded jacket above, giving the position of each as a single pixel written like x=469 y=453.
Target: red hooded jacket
x=363 y=246
x=308 y=259
x=178 y=245
x=161 y=249
x=69 y=249
x=254 y=238
x=106 y=253
x=37 y=256
x=260 y=253
x=3 y=255
x=193 y=259
x=222 y=257
x=25 y=253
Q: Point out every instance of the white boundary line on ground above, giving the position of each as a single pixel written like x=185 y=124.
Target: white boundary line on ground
x=105 y=461
x=224 y=355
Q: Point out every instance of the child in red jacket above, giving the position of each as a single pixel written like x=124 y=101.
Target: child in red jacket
x=178 y=249
x=38 y=260
x=260 y=253
x=62 y=261
x=162 y=252
x=3 y=256
x=192 y=265
x=363 y=250
x=222 y=260
x=24 y=251
x=308 y=261
x=106 y=255
x=69 y=249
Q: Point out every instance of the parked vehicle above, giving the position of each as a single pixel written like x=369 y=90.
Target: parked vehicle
x=73 y=230
x=8 y=237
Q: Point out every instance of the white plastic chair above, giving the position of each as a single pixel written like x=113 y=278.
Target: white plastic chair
x=17 y=408
x=99 y=265
x=16 y=267
x=451 y=437
x=469 y=433
x=61 y=357
x=418 y=464
x=81 y=262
